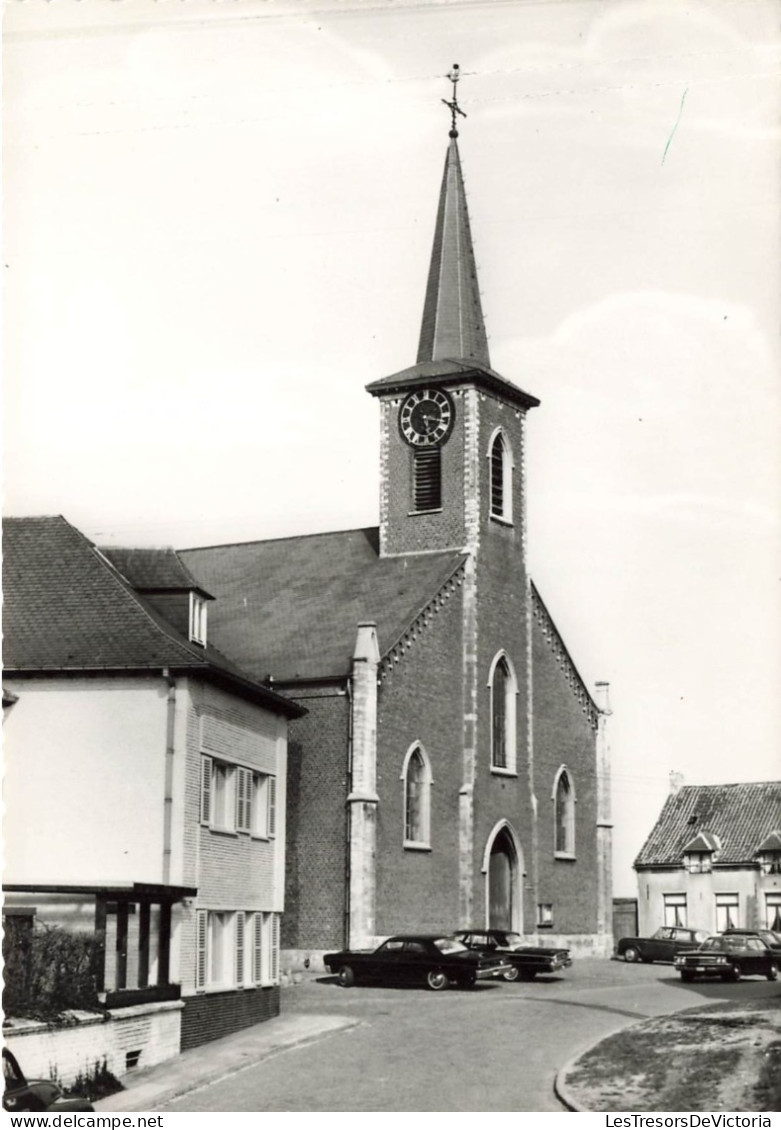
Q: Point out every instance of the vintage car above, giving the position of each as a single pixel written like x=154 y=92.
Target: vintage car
x=661 y=946
x=34 y=1094
x=435 y=960
x=771 y=938
x=526 y=961
x=729 y=957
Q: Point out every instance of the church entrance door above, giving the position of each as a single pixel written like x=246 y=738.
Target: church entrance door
x=501 y=882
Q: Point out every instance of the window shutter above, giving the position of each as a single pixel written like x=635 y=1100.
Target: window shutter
x=272 y=806
x=497 y=478
x=257 y=947
x=243 y=787
x=427 y=479
x=206 y=790
x=274 y=948
x=200 y=948
x=240 y=947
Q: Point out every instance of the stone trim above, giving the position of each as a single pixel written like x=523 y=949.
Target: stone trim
x=398 y=649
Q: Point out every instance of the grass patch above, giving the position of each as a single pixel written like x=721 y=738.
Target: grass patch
x=723 y=1058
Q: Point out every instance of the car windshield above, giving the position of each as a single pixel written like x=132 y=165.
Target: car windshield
x=450 y=945
x=508 y=939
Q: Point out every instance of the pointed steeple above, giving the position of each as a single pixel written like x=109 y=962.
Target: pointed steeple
x=453 y=324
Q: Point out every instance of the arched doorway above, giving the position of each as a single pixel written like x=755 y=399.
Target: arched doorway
x=503 y=910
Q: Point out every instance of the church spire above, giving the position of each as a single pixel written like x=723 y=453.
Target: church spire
x=453 y=324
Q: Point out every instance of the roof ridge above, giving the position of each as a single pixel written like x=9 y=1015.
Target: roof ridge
x=268 y=541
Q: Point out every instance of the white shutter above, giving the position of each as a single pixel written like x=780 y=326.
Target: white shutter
x=257 y=948
x=200 y=948
x=240 y=947
x=274 y=948
x=243 y=785
x=206 y=790
x=272 y=806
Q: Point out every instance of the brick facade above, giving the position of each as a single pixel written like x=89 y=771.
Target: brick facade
x=218 y=1014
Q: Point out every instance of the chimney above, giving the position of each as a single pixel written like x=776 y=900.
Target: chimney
x=602 y=697
x=676 y=782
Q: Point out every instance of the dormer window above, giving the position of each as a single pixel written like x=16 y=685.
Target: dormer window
x=768 y=854
x=698 y=853
x=197 y=619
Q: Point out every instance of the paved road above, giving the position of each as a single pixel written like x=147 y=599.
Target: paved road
x=496 y=1047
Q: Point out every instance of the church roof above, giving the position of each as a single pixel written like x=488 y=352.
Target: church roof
x=67 y=609
x=152 y=570
x=290 y=607
x=740 y=816
x=453 y=323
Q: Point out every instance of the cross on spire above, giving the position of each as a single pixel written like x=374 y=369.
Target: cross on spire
x=453 y=106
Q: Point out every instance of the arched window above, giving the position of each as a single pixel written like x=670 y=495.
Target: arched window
x=417 y=781
x=500 y=460
x=503 y=689
x=563 y=814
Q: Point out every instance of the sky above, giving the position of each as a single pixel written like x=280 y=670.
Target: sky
x=218 y=221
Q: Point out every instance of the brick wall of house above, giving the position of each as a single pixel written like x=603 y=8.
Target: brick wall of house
x=564 y=735
x=420 y=701
x=65 y=1053
x=317 y=824
x=213 y=1015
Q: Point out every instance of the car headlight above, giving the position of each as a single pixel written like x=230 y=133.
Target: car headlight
x=721 y=960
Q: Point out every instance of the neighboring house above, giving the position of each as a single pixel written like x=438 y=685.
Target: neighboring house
x=452 y=769
x=713 y=859
x=144 y=787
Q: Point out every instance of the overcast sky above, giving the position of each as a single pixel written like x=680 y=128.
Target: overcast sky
x=218 y=225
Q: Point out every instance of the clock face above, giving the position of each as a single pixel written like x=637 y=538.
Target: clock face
x=426 y=417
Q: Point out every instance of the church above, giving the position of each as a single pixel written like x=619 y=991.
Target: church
x=452 y=768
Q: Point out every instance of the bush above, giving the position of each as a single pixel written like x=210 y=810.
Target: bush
x=95 y=1084
x=55 y=972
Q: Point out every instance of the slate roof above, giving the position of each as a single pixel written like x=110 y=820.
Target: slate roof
x=742 y=816
x=290 y=608
x=152 y=570
x=66 y=608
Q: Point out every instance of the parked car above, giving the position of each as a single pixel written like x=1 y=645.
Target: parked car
x=526 y=961
x=771 y=938
x=661 y=946
x=729 y=957
x=34 y=1094
x=434 y=960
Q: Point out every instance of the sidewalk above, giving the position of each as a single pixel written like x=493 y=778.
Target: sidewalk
x=150 y=1088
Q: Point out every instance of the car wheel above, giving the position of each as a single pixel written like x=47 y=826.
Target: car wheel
x=512 y=974
x=631 y=954
x=346 y=976
x=436 y=979
x=772 y=973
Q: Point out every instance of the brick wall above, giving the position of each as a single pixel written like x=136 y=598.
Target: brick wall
x=317 y=827
x=213 y=1015
x=420 y=700
x=564 y=735
x=65 y=1053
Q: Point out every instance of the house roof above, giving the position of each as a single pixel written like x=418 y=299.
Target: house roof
x=290 y=608
x=67 y=609
x=741 y=816
x=152 y=570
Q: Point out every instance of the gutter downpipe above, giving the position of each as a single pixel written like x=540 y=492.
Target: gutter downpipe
x=349 y=807
x=168 y=798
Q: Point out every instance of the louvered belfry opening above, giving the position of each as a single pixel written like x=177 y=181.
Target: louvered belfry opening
x=497 y=477
x=427 y=479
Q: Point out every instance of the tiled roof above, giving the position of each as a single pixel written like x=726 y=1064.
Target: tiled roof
x=290 y=608
x=151 y=570
x=66 y=608
x=742 y=816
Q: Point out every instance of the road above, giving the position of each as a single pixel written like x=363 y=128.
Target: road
x=495 y=1047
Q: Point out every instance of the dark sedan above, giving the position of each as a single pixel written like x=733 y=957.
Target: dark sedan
x=771 y=938
x=525 y=961
x=661 y=946
x=34 y=1094
x=435 y=960
x=729 y=957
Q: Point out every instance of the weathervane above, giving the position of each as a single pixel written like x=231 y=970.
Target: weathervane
x=453 y=106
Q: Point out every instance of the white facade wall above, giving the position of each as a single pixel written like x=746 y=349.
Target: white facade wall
x=700 y=890
x=84 y=780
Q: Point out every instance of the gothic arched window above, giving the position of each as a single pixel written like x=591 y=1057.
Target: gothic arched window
x=416 y=779
x=500 y=460
x=503 y=688
x=563 y=814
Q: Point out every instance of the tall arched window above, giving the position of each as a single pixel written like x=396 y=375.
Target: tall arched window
x=500 y=460
x=417 y=781
x=563 y=814
x=503 y=689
